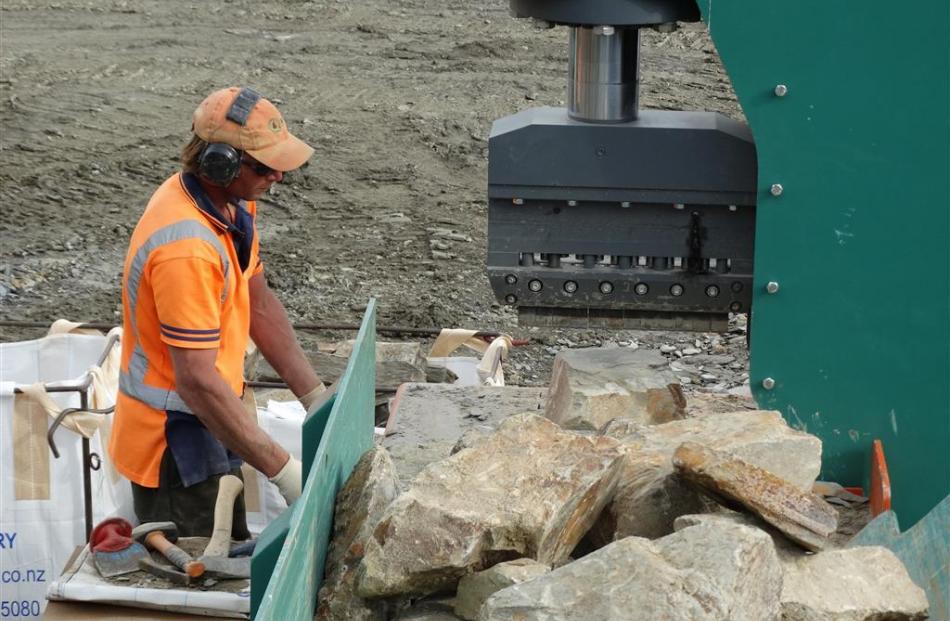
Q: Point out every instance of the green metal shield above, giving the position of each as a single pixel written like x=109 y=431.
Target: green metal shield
x=849 y=105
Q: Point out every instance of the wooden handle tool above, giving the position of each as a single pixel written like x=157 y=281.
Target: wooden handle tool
x=228 y=489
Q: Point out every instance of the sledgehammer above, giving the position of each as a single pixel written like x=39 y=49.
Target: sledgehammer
x=215 y=557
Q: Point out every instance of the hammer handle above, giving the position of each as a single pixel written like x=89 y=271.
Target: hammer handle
x=179 y=558
x=228 y=489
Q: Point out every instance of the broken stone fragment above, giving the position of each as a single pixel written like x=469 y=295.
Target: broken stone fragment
x=650 y=496
x=591 y=387
x=475 y=588
x=802 y=516
x=531 y=489
x=714 y=572
x=854 y=584
x=360 y=503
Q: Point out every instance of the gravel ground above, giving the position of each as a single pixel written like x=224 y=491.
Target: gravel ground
x=397 y=96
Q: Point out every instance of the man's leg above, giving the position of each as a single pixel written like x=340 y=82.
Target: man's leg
x=190 y=508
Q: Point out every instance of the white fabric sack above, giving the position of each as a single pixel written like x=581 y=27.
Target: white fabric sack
x=40 y=530
x=282 y=421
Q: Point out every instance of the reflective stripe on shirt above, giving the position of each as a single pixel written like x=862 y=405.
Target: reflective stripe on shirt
x=133 y=383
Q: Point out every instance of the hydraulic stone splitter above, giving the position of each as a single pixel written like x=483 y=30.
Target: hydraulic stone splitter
x=602 y=214
x=831 y=228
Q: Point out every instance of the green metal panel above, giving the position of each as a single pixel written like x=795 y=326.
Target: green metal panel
x=313 y=427
x=266 y=552
x=856 y=338
x=924 y=550
x=271 y=541
x=292 y=589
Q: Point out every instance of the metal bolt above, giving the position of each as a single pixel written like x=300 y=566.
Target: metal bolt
x=606 y=287
x=772 y=287
x=511 y=279
x=736 y=286
x=712 y=291
x=570 y=286
x=735 y=307
x=572 y=203
x=768 y=383
x=510 y=299
x=518 y=201
x=535 y=285
x=641 y=288
x=676 y=290
x=781 y=90
x=776 y=189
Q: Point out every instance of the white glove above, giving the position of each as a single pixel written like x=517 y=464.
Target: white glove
x=310 y=398
x=288 y=480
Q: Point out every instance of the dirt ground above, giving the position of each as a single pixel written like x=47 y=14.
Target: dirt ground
x=397 y=96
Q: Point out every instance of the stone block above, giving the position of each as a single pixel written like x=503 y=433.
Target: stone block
x=802 y=516
x=591 y=387
x=531 y=489
x=650 y=496
x=714 y=572
x=854 y=584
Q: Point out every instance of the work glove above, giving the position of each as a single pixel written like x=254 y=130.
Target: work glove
x=288 y=480
x=311 y=397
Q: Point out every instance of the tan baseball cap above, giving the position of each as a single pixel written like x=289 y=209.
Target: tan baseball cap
x=264 y=136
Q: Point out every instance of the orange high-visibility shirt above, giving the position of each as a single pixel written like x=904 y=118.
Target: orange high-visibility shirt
x=182 y=285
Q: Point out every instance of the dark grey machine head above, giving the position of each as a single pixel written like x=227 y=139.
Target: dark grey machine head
x=607 y=12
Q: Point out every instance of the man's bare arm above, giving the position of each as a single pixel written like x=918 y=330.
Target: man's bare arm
x=274 y=336
x=216 y=406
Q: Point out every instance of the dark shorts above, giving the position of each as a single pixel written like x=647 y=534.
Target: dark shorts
x=190 y=508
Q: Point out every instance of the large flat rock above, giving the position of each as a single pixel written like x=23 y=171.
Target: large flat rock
x=428 y=419
x=591 y=387
x=713 y=572
x=531 y=489
x=854 y=584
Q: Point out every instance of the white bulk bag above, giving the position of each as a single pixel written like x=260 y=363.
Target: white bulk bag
x=42 y=512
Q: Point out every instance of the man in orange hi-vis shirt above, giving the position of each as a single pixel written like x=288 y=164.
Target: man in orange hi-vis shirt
x=193 y=292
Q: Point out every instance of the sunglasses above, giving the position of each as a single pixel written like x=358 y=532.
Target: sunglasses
x=259 y=169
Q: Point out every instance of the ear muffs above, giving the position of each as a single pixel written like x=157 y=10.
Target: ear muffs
x=219 y=162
